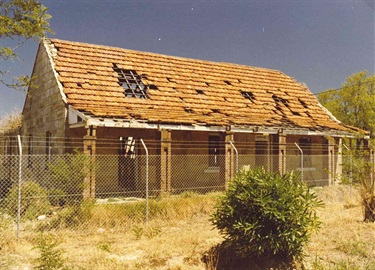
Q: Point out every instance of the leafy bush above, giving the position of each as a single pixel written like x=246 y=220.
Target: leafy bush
x=34 y=200
x=266 y=214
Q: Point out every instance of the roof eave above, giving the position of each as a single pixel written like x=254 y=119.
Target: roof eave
x=133 y=123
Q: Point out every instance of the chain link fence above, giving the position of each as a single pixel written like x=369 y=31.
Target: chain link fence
x=54 y=192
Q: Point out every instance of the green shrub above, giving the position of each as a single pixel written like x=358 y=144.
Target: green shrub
x=34 y=200
x=267 y=214
x=50 y=253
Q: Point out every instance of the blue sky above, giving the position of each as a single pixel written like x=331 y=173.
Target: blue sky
x=319 y=43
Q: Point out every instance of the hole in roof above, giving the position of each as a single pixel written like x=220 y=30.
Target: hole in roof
x=296 y=113
x=79 y=84
x=207 y=83
x=228 y=82
x=215 y=110
x=239 y=80
x=199 y=91
x=131 y=82
x=169 y=79
x=249 y=95
x=175 y=89
x=303 y=103
x=189 y=110
x=280 y=100
x=183 y=101
x=153 y=87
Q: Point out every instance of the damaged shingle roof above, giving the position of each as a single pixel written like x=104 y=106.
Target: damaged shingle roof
x=184 y=91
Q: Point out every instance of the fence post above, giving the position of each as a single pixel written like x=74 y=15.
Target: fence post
x=299 y=148
x=144 y=146
x=235 y=150
x=19 y=186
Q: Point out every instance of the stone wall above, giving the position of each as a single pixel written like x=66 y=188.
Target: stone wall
x=44 y=110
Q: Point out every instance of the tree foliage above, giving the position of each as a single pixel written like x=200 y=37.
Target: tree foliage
x=354 y=103
x=10 y=123
x=359 y=168
x=20 y=21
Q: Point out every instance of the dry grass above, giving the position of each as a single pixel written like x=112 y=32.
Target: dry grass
x=344 y=241
x=177 y=239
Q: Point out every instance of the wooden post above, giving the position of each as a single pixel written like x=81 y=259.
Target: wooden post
x=89 y=149
x=229 y=158
x=165 y=162
x=282 y=153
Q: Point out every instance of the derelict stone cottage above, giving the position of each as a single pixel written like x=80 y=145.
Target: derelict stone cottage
x=179 y=106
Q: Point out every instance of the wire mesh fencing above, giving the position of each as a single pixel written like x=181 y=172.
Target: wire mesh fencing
x=70 y=191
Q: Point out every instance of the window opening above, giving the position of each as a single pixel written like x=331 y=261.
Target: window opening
x=48 y=143
x=261 y=150
x=127 y=164
x=48 y=148
x=30 y=150
x=305 y=144
x=127 y=146
x=11 y=146
x=131 y=82
x=213 y=150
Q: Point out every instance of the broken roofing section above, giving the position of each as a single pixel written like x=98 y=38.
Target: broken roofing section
x=109 y=82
